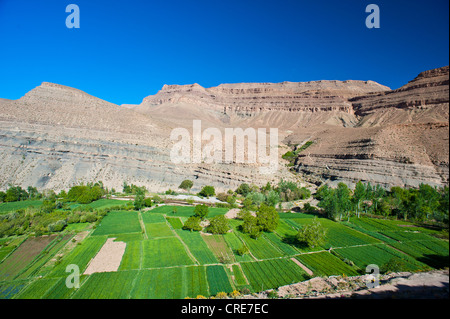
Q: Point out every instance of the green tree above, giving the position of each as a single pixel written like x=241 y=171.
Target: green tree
x=267 y=218
x=272 y=198
x=207 y=191
x=201 y=211
x=359 y=195
x=186 y=184
x=243 y=189
x=139 y=202
x=218 y=225
x=313 y=234
x=192 y=224
x=250 y=226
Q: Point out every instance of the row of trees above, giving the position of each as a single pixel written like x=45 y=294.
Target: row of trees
x=217 y=224
x=423 y=204
x=16 y=193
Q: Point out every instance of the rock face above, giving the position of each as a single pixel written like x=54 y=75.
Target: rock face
x=56 y=136
x=401 y=137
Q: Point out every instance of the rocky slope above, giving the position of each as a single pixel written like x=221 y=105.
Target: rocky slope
x=401 y=137
x=56 y=136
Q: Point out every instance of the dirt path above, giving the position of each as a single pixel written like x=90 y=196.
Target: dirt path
x=308 y=271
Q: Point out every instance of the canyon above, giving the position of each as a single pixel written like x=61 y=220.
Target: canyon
x=56 y=136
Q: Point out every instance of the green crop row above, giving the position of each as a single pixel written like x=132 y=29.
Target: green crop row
x=274 y=273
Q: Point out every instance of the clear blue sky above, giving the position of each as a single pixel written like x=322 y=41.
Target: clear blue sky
x=127 y=50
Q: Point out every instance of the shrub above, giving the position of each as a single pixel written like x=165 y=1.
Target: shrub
x=221 y=295
x=243 y=189
x=243 y=250
x=186 y=184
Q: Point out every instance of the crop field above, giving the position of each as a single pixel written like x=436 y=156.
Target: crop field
x=261 y=247
x=80 y=256
x=377 y=254
x=107 y=285
x=239 y=278
x=156 y=230
x=197 y=247
x=218 y=280
x=326 y=264
x=13 y=206
x=185 y=211
x=22 y=256
x=267 y=274
x=120 y=222
x=175 y=222
x=164 y=252
x=219 y=247
x=161 y=260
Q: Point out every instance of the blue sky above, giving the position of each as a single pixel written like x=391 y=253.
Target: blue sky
x=127 y=50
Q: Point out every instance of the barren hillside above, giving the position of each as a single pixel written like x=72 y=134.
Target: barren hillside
x=56 y=136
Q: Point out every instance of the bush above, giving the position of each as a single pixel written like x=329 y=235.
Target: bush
x=186 y=184
x=243 y=189
x=222 y=197
x=243 y=250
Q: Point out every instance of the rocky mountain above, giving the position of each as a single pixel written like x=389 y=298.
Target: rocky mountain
x=56 y=136
x=401 y=137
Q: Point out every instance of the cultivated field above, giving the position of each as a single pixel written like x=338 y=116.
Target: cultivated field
x=161 y=260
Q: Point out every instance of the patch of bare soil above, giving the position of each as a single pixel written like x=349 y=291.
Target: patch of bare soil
x=108 y=258
x=233 y=213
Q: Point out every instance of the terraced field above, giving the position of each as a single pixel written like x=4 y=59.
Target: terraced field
x=163 y=261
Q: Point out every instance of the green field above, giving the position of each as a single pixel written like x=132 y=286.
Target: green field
x=163 y=261
x=13 y=206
